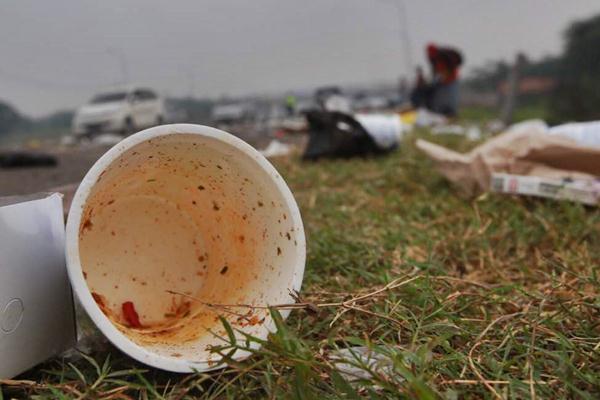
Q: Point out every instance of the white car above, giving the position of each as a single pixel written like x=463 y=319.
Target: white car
x=120 y=111
x=226 y=114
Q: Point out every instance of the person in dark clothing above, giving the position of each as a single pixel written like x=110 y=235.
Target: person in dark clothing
x=445 y=62
x=420 y=92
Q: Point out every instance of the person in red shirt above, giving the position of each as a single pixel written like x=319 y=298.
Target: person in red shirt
x=445 y=62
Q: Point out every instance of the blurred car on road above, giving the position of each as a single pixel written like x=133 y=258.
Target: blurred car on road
x=225 y=115
x=371 y=102
x=123 y=111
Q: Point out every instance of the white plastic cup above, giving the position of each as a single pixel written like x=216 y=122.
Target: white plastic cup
x=183 y=209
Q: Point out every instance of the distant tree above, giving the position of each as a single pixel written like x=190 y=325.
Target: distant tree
x=488 y=77
x=548 y=66
x=14 y=123
x=60 y=120
x=9 y=118
x=577 y=95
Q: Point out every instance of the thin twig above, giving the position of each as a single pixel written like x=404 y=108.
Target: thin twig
x=479 y=342
x=350 y=304
x=470 y=282
x=496 y=382
x=300 y=305
x=12 y=382
x=478 y=374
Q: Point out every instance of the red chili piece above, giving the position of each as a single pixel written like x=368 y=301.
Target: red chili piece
x=131 y=316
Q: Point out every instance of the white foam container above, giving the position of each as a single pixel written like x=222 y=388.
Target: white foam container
x=190 y=209
x=37 y=320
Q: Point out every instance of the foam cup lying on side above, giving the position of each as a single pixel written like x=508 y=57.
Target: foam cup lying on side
x=170 y=225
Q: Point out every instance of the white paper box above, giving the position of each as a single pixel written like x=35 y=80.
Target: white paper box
x=586 y=192
x=36 y=305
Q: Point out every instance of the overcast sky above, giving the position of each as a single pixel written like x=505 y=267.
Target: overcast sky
x=54 y=54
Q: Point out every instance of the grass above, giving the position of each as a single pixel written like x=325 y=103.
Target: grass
x=493 y=297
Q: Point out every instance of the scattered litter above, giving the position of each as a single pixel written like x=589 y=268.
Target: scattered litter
x=24 y=159
x=426 y=118
x=473 y=132
x=519 y=151
x=340 y=135
x=126 y=285
x=277 y=149
x=386 y=129
x=451 y=129
x=583 y=191
x=408 y=117
x=355 y=363
x=294 y=124
x=530 y=125
x=584 y=133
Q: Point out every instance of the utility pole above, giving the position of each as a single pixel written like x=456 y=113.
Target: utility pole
x=405 y=36
x=512 y=90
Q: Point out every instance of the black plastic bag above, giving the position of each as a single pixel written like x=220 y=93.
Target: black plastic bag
x=337 y=135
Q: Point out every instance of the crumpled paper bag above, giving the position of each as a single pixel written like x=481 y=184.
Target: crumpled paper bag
x=520 y=152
